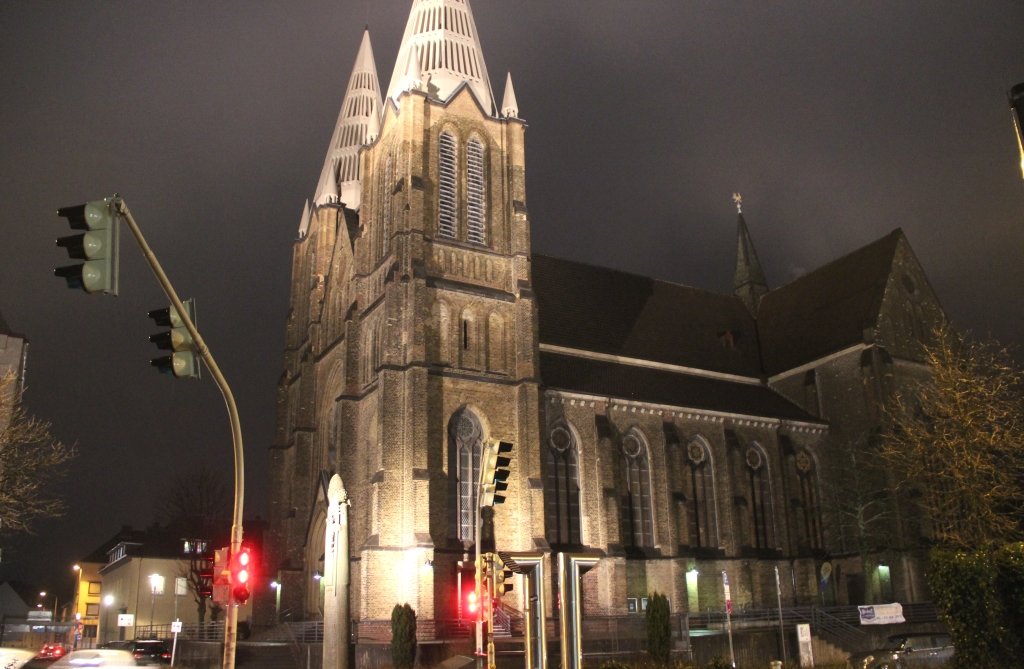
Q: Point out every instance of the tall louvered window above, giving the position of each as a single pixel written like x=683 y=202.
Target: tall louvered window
x=637 y=510
x=464 y=442
x=760 y=498
x=447 y=222
x=476 y=210
x=562 y=488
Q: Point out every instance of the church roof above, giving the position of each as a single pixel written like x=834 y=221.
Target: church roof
x=828 y=309
x=441 y=35
x=655 y=386
x=358 y=124
x=610 y=312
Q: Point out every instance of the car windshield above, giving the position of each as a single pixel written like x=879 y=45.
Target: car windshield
x=895 y=643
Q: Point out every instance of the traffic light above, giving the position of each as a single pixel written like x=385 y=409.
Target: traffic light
x=182 y=362
x=97 y=246
x=502 y=577
x=205 y=589
x=242 y=568
x=469 y=606
x=494 y=471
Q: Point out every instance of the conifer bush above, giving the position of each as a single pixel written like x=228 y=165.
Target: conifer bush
x=403 y=637
x=659 y=629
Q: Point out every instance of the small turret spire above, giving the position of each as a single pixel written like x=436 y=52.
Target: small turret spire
x=748 y=282
x=509 y=106
x=358 y=124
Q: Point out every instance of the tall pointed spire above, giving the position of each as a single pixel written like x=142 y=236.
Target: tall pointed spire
x=358 y=125
x=748 y=282
x=509 y=105
x=441 y=35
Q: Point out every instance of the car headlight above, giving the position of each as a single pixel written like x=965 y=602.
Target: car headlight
x=867 y=661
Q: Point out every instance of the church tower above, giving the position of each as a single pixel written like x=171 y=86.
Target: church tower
x=412 y=338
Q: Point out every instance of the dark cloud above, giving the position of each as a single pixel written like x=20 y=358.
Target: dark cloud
x=837 y=122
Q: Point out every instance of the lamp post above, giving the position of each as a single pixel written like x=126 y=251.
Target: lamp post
x=108 y=601
x=156 y=583
x=276 y=585
x=77 y=605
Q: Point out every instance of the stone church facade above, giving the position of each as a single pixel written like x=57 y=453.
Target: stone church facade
x=675 y=433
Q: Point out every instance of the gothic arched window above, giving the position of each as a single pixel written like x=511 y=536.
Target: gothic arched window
x=760 y=501
x=465 y=437
x=637 y=509
x=476 y=193
x=562 y=487
x=702 y=530
x=448 y=189
x=809 y=507
x=443 y=327
x=386 y=186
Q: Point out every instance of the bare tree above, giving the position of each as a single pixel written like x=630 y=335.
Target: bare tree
x=31 y=462
x=197 y=506
x=957 y=442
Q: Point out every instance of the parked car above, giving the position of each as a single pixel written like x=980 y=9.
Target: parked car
x=14 y=658
x=108 y=658
x=907 y=651
x=150 y=652
x=52 y=651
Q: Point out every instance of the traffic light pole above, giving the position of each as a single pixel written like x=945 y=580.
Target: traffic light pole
x=231 y=615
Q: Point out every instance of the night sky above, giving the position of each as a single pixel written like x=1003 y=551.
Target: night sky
x=838 y=122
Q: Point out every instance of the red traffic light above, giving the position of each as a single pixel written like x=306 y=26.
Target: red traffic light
x=242 y=565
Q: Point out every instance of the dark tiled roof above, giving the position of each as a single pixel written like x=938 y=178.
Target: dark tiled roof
x=563 y=372
x=607 y=311
x=825 y=310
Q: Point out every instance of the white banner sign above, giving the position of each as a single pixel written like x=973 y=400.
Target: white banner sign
x=881 y=614
x=125 y=619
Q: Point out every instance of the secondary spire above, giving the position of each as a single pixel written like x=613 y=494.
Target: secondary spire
x=748 y=282
x=441 y=35
x=358 y=124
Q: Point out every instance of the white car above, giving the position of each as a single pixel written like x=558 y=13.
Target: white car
x=95 y=657
x=13 y=658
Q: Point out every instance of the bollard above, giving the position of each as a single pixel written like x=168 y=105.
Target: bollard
x=775 y=664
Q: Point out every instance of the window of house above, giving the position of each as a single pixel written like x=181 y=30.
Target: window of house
x=95 y=587
x=637 y=512
x=464 y=440
x=92 y=610
x=447 y=224
x=700 y=495
x=562 y=487
x=809 y=507
x=760 y=504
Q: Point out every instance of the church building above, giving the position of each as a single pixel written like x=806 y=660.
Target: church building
x=673 y=432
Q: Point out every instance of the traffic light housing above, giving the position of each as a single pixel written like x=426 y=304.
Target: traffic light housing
x=206 y=568
x=183 y=361
x=97 y=246
x=243 y=564
x=494 y=471
x=502 y=577
x=465 y=581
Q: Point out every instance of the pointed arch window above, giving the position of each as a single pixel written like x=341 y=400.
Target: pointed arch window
x=476 y=198
x=562 y=487
x=810 y=509
x=465 y=437
x=447 y=223
x=760 y=498
x=637 y=509
x=386 y=186
x=699 y=486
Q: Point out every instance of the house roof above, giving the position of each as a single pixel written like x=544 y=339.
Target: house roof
x=606 y=311
x=828 y=309
x=655 y=386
